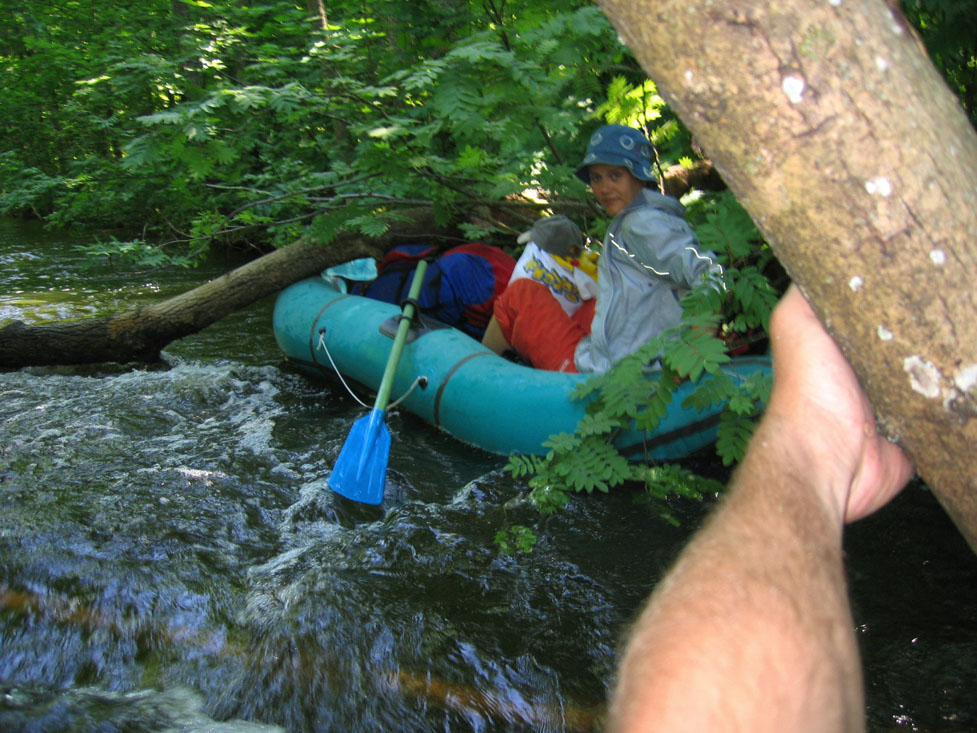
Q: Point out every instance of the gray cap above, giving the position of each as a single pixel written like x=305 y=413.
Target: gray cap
x=555 y=234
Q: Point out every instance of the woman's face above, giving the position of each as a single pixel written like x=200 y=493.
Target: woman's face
x=614 y=186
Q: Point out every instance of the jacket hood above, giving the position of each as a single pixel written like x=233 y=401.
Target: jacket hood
x=650 y=197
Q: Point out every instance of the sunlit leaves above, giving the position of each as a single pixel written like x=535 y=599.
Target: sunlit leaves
x=230 y=104
x=635 y=105
x=729 y=231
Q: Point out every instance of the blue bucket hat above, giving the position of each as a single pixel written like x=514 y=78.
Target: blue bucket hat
x=618 y=145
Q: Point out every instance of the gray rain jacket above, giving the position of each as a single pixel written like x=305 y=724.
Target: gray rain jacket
x=649 y=261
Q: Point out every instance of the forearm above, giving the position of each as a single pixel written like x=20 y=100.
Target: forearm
x=657 y=243
x=751 y=630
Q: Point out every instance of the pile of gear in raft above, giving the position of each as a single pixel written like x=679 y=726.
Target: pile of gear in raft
x=461 y=283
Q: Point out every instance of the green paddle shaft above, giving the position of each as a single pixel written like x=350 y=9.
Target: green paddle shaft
x=387 y=382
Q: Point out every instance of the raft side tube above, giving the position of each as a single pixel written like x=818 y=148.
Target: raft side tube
x=473 y=394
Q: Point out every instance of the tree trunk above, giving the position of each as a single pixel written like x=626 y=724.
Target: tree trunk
x=840 y=138
x=140 y=334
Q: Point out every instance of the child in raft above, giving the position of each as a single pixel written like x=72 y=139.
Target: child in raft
x=649 y=260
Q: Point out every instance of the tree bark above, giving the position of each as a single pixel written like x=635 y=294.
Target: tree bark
x=142 y=333
x=840 y=138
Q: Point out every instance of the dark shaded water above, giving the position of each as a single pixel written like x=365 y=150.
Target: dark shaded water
x=170 y=556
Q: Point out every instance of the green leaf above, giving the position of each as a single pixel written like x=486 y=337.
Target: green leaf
x=587 y=388
x=371 y=226
x=562 y=443
x=598 y=424
x=162 y=118
x=523 y=465
x=517 y=538
x=710 y=391
x=656 y=407
x=627 y=388
x=735 y=432
x=549 y=499
x=694 y=350
x=728 y=230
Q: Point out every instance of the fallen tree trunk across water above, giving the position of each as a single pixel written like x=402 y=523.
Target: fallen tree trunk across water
x=139 y=335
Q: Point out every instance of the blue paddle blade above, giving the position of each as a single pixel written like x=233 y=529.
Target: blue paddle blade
x=361 y=469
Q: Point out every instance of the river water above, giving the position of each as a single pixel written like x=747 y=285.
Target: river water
x=170 y=557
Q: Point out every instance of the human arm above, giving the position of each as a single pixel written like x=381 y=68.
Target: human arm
x=752 y=629
x=493 y=337
x=659 y=241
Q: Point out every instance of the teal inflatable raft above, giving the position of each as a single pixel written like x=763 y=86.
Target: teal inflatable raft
x=459 y=385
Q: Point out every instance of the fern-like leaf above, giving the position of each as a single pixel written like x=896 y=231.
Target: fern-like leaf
x=562 y=443
x=710 y=391
x=599 y=424
x=523 y=465
x=599 y=467
x=587 y=388
x=369 y=225
x=694 y=351
x=548 y=499
x=735 y=432
x=656 y=406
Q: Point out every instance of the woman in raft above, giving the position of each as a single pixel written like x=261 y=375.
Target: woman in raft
x=650 y=259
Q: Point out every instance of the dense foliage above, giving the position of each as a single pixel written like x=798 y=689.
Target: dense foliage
x=180 y=124
x=949 y=31
x=191 y=122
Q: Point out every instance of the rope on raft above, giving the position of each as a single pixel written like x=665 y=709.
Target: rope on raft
x=418 y=382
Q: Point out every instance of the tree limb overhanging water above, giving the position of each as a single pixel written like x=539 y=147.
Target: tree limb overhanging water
x=869 y=203
x=141 y=334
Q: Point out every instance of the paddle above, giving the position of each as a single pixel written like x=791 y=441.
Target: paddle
x=361 y=469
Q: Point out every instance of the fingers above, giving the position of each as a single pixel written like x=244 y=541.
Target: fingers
x=816 y=390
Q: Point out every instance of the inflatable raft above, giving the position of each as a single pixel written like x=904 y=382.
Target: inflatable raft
x=459 y=385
